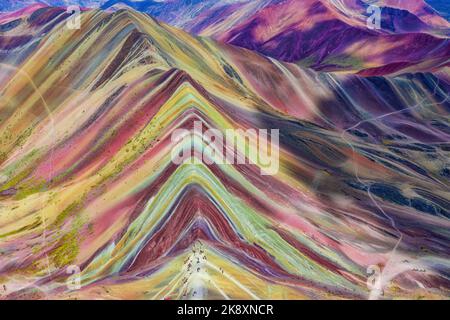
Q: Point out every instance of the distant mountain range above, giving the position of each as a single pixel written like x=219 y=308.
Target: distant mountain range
x=442 y=6
x=324 y=35
x=157 y=7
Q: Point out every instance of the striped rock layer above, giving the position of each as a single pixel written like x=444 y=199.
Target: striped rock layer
x=87 y=178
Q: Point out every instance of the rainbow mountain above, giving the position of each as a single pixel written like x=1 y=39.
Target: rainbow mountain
x=86 y=177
